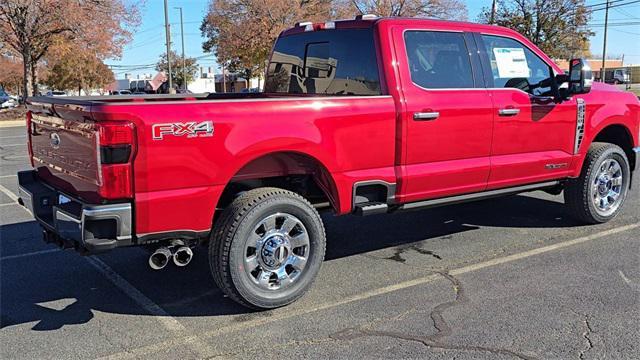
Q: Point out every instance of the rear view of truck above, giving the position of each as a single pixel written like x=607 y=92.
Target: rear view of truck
x=81 y=186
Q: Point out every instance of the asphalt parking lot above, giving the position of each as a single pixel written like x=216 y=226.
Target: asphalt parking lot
x=497 y=279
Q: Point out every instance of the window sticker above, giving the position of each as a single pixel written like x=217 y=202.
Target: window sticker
x=511 y=62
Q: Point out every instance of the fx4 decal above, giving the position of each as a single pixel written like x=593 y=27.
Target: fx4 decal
x=190 y=129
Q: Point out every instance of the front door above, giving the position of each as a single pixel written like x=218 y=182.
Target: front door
x=533 y=135
x=448 y=118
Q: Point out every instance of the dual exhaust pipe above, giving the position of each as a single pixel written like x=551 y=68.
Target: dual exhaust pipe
x=181 y=256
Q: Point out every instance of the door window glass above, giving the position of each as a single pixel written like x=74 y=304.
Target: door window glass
x=513 y=65
x=438 y=60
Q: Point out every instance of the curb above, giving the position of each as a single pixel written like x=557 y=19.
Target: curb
x=12 y=123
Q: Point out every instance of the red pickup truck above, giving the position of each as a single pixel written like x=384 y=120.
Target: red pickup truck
x=365 y=116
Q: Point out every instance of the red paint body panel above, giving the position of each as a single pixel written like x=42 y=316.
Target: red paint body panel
x=178 y=180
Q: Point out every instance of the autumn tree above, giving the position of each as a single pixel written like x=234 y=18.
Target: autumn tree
x=241 y=32
x=191 y=68
x=438 y=9
x=78 y=70
x=558 y=27
x=30 y=28
x=10 y=73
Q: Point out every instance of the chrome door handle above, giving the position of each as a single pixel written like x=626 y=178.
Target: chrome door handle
x=508 y=112
x=426 y=116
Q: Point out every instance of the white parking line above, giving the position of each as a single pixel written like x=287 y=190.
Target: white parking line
x=42 y=252
x=8 y=145
x=148 y=305
x=145 y=351
x=16 y=157
x=13 y=197
x=9 y=193
x=13 y=137
x=7 y=176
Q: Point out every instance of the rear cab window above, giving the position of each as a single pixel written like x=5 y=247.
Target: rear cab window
x=327 y=62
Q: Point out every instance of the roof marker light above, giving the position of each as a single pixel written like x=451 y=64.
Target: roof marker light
x=367 y=17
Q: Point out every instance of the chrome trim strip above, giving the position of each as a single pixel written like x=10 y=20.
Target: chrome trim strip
x=579 y=134
x=476 y=196
x=218 y=101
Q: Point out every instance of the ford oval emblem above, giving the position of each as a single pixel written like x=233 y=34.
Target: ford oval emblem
x=55 y=140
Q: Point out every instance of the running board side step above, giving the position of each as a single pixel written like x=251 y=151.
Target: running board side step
x=371 y=208
x=477 y=196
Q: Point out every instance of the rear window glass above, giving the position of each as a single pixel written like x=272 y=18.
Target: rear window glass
x=330 y=62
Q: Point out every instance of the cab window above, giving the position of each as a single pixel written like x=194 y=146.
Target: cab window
x=514 y=65
x=438 y=60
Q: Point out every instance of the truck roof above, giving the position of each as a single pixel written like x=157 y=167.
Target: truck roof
x=405 y=21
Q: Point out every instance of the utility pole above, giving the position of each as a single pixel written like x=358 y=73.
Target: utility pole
x=168 y=36
x=224 y=80
x=604 y=46
x=184 y=67
x=492 y=19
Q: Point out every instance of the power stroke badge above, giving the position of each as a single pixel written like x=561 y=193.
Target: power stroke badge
x=188 y=129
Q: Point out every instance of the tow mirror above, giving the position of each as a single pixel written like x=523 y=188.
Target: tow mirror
x=580 y=76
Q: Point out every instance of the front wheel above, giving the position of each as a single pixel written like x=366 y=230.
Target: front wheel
x=599 y=193
x=267 y=248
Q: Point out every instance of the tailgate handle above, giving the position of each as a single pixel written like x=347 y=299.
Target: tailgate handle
x=426 y=116
x=509 y=112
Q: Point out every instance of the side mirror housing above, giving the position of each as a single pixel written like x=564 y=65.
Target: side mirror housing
x=580 y=76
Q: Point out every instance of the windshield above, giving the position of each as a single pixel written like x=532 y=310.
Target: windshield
x=329 y=62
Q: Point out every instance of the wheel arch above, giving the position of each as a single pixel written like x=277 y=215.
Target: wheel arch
x=620 y=135
x=292 y=170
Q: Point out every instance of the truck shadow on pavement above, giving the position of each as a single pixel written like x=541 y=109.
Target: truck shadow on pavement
x=61 y=288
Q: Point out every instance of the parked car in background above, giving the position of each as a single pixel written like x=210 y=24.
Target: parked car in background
x=366 y=116
x=7 y=101
x=250 y=90
x=121 y=92
x=617 y=76
x=55 y=93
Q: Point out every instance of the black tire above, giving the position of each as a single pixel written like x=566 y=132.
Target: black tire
x=579 y=193
x=233 y=230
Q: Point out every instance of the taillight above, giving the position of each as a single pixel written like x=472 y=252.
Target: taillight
x=29 y=133
x=117 y=148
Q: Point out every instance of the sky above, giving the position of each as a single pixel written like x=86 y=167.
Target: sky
x=148 y=42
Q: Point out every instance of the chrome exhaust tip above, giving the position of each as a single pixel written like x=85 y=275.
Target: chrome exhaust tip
x=160 y=258
x=182 y=256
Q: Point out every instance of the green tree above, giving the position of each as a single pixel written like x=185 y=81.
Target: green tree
x=557 y=27
x=191 y=68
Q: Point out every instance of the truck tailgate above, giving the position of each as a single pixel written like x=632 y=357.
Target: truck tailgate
x=65 y=148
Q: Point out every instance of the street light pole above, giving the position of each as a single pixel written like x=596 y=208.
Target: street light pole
x=168 y=37
x=604 y=46
x=184 y=67
x=492 y=19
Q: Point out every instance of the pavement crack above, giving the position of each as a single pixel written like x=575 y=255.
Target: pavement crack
x=587 y=337
x=441 y=325
x=398 y=251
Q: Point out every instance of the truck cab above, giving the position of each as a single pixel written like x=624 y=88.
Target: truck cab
x=364 y=116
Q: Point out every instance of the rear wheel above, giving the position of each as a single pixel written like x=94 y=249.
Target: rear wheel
x=267 y=248
x=599 y=193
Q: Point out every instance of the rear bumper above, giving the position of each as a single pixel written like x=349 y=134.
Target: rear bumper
x=89 y=228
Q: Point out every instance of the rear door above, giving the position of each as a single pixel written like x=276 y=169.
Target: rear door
x=448 y=117
x=533 y=136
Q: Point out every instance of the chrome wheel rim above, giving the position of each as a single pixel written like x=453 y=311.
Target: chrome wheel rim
x=607 y=187
x=276 y=252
